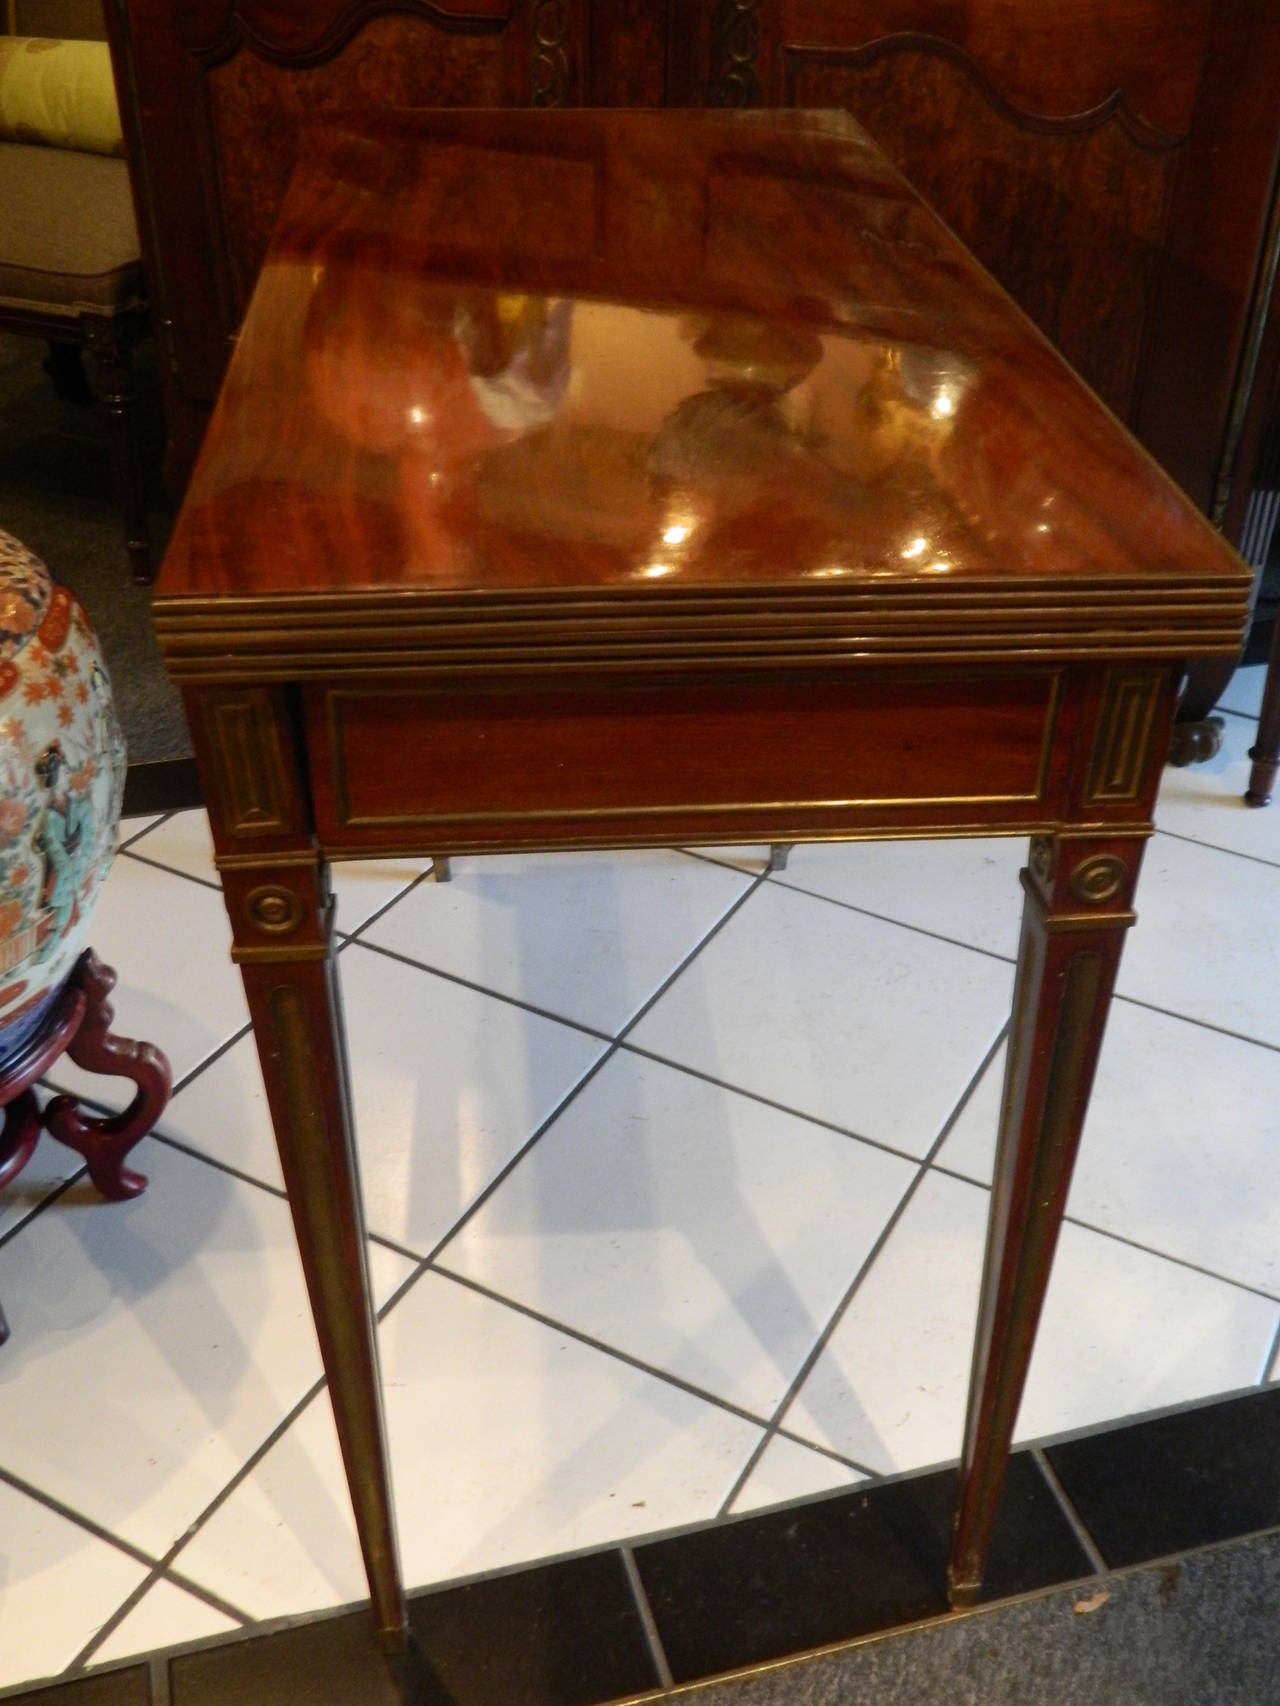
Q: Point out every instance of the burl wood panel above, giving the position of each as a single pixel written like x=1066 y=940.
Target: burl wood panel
x=257 y=106
x=494 y=767
x=1040 y=204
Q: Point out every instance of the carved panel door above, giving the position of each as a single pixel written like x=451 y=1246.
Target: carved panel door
x=1108 y=160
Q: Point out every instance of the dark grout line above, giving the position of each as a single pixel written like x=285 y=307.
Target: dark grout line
x=588 y=1339
x=575 y=1090
x=886 y=1232
x=214 y=1055
x=215 y=1601
x=901 y=924
x=105 y=1630
x=169 y=870
x=863 y=1469
x=647 y=1620
x=381 y=911
x=1269 y=1362
x=1132 y=1243
x=158 y=1682
x=154 y=822
x=69 y=1514
x=708 y=858
x=769 y=1102
x=55 y=1191
x=483 y=989
x=1217 y=847
x=1244 y=716
x=163 y=1564
x=1076 y=1523
x=1205 y=1024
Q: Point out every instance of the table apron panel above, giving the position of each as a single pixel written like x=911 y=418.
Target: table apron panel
x=643 y=761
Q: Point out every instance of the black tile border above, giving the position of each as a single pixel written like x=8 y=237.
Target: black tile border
x=161 y=785
x=716 y=1598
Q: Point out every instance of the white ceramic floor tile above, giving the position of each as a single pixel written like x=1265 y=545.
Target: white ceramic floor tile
x=51 y=1164
x=1122 y=1332
x=448 y=1084
x=1180 y=1136
x=967 y=890
x=872 y=1027
x=589 y=936
x=361 y=887
x=1206 y=801
x=698 y=1230
x=508 y=1442
x=58 y=1586
x=788 y=1471
x=155 y=1343
x=1207 y=943
x=1244 y=692
x=165 y=1616
x=170 y=945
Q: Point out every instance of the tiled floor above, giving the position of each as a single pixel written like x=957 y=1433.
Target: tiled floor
x=677 y=1175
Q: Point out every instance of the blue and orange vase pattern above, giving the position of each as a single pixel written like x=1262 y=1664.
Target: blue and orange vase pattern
x=62 y=762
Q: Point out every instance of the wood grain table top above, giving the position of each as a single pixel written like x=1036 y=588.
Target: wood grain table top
x=575 y=388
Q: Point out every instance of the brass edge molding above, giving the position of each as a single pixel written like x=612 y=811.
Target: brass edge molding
x=263 y=861
x=279 y=953
x=1123 y=740
x=338 y=852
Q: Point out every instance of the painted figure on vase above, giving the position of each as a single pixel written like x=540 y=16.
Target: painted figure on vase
x=61 y=780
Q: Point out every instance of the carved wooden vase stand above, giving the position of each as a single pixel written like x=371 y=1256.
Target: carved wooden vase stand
x=79 y=1026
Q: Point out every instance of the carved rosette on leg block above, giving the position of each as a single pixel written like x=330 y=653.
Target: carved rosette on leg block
x=1078 y=906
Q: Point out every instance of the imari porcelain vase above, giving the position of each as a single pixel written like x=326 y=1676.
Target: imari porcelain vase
x=62 y=766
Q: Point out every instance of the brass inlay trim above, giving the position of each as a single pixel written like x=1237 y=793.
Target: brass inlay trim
x=249 y=767
x=264 y=860
x=346 y=1320
x=278 y=953
x=1124 y=736
x=587 y=814
x=1051 y=1157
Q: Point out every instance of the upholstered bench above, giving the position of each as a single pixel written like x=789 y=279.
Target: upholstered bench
x=70 y=260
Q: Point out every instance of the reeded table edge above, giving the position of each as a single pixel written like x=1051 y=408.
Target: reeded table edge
x=288 y=636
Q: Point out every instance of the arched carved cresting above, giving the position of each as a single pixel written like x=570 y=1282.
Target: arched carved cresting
x=266 y=67
x=214 y=94
x=1052 y=166
x=1108 y=160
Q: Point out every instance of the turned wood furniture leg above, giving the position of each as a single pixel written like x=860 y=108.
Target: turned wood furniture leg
x=1078 y=906
x=108 y=343
x=282 y=917
x=1266 y=751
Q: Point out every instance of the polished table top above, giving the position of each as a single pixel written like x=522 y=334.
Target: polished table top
x=608 y=385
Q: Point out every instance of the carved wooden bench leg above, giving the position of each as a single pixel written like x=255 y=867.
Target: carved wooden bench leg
x=1266 y=752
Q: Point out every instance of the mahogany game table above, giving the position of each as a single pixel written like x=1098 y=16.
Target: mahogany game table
x=651 y=479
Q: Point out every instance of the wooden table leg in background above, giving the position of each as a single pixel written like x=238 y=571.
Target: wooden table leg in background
x=1078 y=906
